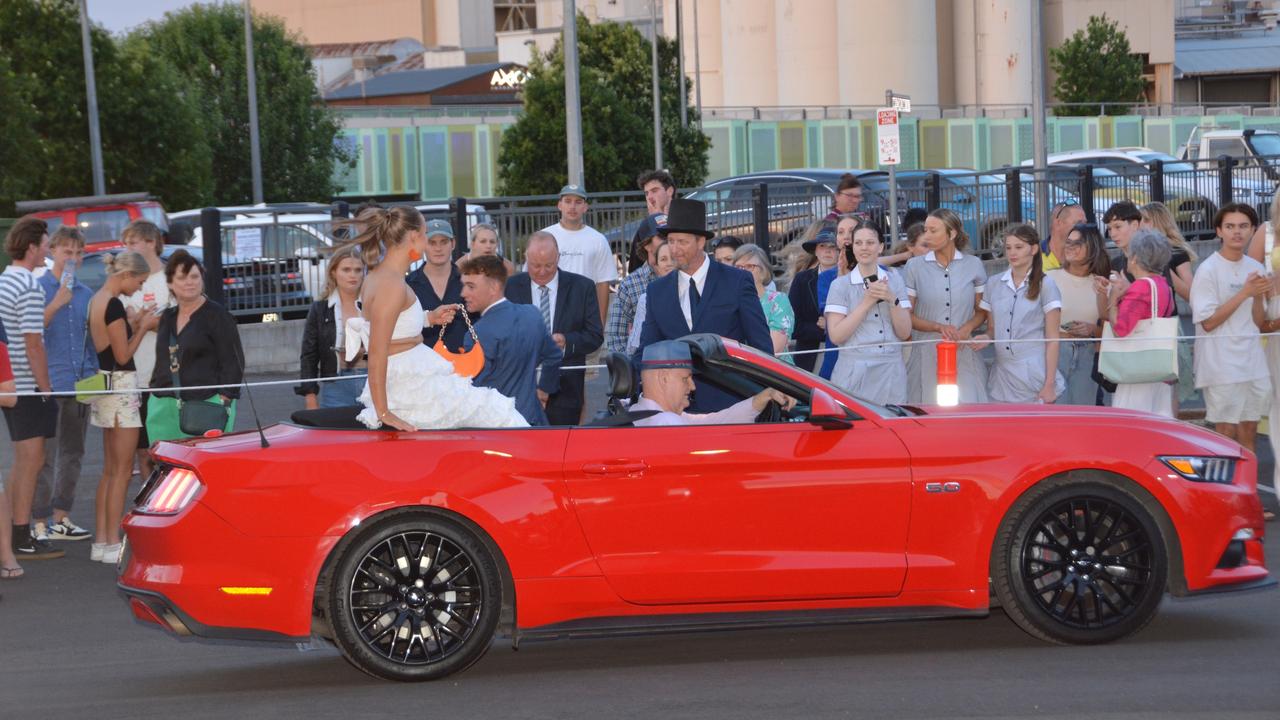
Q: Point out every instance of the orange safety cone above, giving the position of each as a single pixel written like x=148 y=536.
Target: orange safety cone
x=948 y=390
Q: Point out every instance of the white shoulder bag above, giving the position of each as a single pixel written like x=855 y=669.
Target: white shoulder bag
x=1147 y=354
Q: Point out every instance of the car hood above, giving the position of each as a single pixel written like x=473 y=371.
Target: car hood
x=1206 y=440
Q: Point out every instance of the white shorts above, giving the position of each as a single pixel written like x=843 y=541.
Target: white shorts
x=120 y=409
x=1238 y=402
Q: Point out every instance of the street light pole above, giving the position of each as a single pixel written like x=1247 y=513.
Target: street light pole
x=697 y=64
x=657 y=105
x=91 y=89
x=255 y=153
x=572 y=104
x=684 y=93
x=1038 y=119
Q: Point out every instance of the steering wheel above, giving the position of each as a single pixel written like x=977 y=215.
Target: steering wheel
x=772 y=413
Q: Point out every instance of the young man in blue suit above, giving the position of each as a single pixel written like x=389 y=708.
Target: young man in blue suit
x=567 y=301
x=514 y=340
x=701 y=297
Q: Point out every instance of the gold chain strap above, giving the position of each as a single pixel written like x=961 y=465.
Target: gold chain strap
x=467 y=318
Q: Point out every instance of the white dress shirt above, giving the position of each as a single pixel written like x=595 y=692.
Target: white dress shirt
x=535 y=294
x=682 y=287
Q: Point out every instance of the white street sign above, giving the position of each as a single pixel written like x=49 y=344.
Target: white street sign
x=902 y=103
x=887 y=136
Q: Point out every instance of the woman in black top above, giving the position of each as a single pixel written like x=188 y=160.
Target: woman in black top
x=116 y=337
x=204 y=336
x=324 y=338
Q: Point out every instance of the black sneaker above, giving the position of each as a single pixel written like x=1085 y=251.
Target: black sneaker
x=34 y=549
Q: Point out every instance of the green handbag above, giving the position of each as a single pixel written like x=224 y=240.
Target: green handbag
x=98 y=381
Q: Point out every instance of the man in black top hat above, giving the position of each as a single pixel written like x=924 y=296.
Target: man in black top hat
x=701 y=297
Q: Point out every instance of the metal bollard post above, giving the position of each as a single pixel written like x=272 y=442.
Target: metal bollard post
x=948 y=389
x=1013 y=194
x=211 y=241
x=458 y=206
x=760 y=216
x=1157 y=181
x=1086 y=193
x=935 y=192
x=1226 y=164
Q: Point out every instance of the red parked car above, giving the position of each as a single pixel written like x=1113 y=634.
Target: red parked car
x=100 y=217
x=411 y=551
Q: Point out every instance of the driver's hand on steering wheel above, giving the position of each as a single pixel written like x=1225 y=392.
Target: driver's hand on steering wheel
x=764 y=397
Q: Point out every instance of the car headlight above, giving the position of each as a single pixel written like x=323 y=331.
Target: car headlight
x=1202 y=469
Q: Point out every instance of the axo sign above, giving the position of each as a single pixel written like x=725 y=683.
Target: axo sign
x=512 y=79
x=887 y=136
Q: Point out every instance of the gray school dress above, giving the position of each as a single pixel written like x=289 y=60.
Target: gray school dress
x=1018 y=373
x=875 y=370
x=948 y=296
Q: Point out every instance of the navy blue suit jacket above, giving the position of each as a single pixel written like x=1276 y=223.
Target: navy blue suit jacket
x=729 y=307
x=515 y=344
x=577 y=317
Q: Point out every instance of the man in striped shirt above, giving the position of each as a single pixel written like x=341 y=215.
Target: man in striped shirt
x=31 y=419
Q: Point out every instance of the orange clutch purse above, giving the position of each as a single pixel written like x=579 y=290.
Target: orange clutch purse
x=468 y=363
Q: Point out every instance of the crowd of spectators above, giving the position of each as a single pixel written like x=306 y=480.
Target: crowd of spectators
x=861 y=311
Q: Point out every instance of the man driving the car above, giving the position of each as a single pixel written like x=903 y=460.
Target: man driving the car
x=666 y=372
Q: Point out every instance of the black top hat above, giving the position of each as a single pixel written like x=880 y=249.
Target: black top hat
x=686 y=216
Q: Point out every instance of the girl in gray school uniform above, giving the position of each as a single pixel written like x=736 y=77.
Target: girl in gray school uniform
x=869 y=310
x=945 y=287
x=1022 y=303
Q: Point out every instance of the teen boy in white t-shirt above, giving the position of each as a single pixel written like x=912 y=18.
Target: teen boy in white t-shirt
x=1227 y=305
x=583 y=250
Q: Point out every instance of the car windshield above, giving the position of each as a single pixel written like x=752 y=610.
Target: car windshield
x=1171 y=163
x=102 y=225
x=1266 y=144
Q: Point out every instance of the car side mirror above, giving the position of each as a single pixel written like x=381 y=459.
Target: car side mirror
x=826 y=413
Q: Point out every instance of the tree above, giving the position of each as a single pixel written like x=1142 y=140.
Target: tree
x=615 y=87
x=297 y=132
x=150 y=134
x=1096 y=65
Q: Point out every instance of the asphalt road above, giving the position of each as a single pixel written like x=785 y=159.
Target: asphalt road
x=69 y=648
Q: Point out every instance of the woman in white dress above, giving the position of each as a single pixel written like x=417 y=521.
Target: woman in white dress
x=410 y=387
x=869 y=312
x=1023 y=304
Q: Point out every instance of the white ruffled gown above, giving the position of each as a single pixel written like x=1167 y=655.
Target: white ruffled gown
x=423 y=389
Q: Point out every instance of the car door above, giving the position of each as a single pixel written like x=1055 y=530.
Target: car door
x=743 y=513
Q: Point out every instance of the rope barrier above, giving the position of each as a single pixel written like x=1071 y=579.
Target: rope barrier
x=792 y=353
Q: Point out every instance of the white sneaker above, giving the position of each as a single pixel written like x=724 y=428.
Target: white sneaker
x=39 y=532
x=111 y=553
x=95 y=551
x=64 y=529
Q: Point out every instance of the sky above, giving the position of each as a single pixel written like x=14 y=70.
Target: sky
x=122 y=15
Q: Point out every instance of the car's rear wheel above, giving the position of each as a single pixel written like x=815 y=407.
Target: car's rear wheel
x=1080 y=562
x=416 y=597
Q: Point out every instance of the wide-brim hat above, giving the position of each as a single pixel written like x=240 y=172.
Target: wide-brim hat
x=825 y=235
x=687 y=216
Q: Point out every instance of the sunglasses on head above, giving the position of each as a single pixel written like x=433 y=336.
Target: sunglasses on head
x=1064 y=205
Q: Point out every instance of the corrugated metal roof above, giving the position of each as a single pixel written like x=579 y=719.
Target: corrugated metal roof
x=1228 y=56
x=409 y=82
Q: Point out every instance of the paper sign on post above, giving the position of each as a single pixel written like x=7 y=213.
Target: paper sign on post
x=248 y=242
x=887 y=136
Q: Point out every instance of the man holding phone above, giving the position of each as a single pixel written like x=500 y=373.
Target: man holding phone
x=71 y=356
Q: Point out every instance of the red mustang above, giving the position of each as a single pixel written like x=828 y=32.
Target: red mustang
x=411 y=551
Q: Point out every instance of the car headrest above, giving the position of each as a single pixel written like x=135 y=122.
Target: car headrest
x=621 y=382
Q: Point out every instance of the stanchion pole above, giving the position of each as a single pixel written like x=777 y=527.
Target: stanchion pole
x=948 y=390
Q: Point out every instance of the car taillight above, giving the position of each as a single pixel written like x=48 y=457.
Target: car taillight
x=171 y=493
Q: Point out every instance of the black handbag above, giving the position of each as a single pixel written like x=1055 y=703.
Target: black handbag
x=195 y=417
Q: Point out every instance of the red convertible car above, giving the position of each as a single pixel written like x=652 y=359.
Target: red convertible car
x=412 y=551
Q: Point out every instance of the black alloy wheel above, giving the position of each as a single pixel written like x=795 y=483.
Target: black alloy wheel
x=417 y=598
x=1080 y=563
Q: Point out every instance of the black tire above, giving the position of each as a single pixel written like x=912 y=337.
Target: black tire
x=415 y=597
x=1080 y=562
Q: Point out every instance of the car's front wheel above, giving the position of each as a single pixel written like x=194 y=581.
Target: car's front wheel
x=416 y=597
x=1080 y=562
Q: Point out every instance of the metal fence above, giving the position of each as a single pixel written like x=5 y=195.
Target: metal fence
x=270 y=262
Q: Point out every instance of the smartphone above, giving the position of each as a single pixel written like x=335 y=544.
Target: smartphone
x=870 y=279
x=68 y=278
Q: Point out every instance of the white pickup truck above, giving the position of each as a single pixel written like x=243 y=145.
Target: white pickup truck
x=1257 y=151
